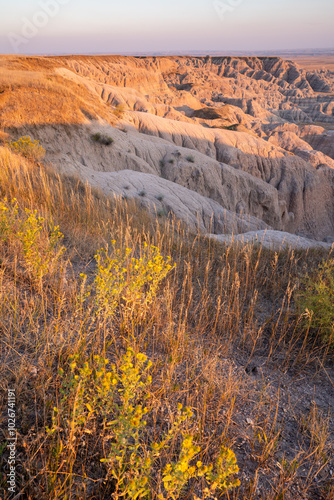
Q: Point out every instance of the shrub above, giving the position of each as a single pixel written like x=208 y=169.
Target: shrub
x=102 y=139
x=119 y=111
x=231 y=127
x=317 y=299
x=28 y=148
x=191 y=159
x=162 y=212
x=96 y=137
x=142 y=193
x=8 y=216
x=106 y=140
x=41 y=250
x=40 y=245
x=124 y=279
x=116 y=399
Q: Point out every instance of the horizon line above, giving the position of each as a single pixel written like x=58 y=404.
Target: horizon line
x=203 y=53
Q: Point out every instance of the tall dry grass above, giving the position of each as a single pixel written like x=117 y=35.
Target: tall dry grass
x=219 y=308
x=32 y=93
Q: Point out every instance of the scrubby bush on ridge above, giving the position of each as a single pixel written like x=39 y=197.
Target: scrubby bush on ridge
x=106 y=140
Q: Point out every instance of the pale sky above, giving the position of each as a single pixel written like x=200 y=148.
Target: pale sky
x=132 y=26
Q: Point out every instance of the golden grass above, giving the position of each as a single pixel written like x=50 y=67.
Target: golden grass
x=32 y=93
x=220 y=304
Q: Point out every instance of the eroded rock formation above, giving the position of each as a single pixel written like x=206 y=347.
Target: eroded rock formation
x=232 y=144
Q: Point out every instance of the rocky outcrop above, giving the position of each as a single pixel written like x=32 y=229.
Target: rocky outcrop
x=235 y=136
x=293 y=143
x=163 y=198
x=234 y=190
x=261 y=86
x=322 y=142
x=273 y=240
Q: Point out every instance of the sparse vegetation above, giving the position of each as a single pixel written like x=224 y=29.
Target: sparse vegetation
x=106 y=140
x=31 y=99
x=160 y=197
x=119 y=111
x=87 y=398
x=162 y=212
x=231 y=127
x=316 y=300
x=142 y=193
x=28 y=148
x=190 y=158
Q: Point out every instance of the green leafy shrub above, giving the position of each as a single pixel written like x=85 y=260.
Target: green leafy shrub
x=28 y=148
x=96 y=137
x=117 y=399
x=317 y=300
x=190 y=158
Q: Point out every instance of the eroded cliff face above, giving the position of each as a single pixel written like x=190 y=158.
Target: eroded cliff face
x=248 y=139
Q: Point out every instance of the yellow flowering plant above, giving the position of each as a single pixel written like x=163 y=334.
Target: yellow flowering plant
x=131 y=282
x=116 y=397
x=38 y=242
x=8 y=217
x=41 y=250
x=28 y=148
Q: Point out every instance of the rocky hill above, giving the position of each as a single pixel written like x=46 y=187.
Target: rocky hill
x=228 y=144
x=158 y=338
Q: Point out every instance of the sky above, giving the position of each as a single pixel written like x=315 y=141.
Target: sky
x=173 y=26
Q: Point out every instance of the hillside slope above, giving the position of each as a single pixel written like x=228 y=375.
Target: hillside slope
x=185 y=322
x=212 y=125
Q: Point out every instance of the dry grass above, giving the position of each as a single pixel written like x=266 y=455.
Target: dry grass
x=32 y=93
x=220 y=310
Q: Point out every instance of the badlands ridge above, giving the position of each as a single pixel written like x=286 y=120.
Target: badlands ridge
x=240 y=146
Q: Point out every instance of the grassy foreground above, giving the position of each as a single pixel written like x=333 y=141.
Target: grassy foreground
x=128 y=342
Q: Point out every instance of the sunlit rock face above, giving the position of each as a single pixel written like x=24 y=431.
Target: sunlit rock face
x=227 y=144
